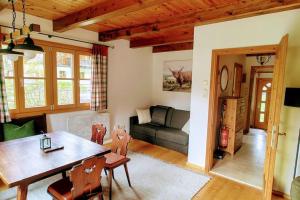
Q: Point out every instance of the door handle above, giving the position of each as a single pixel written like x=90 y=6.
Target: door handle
x=283 y=134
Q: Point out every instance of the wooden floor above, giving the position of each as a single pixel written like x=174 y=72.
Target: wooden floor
x=217 y=189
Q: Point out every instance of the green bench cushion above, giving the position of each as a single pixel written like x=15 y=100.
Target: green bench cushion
x=12 y=131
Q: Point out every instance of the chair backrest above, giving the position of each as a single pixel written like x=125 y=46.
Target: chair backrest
x=98 y=133
x=86 y=177
x=120 y=140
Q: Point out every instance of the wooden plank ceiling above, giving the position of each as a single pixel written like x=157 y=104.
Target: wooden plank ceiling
x=148 y=22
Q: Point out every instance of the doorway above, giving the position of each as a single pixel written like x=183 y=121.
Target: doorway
x=244 y=151
x=280 y=50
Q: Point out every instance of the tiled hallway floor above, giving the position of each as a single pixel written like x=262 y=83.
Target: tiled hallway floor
x=247 y=165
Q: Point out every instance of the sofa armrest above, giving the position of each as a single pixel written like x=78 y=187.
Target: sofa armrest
x=134 y=120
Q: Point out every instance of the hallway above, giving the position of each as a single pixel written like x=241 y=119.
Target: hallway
x=247 y=165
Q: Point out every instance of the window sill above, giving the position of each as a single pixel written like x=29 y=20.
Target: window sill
x=14 y=115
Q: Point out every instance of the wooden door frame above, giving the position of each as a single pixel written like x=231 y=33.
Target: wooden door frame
x=255 y=104
x=254 y=70
x=213 y=98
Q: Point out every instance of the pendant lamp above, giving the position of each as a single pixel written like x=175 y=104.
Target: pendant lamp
x=28 y=47
x=11 y=55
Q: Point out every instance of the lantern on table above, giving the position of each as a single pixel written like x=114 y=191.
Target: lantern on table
x=45 y=142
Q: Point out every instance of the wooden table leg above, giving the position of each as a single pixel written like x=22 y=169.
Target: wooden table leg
x=22 y=192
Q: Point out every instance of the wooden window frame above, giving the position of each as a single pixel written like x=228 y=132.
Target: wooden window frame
x=78 y=54
x=16 y=82
x=55 y=79
x=50 y=49
x=47 y=74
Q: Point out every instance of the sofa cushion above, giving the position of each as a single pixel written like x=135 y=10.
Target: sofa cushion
x=169 y=117
x=12 y=131
x=143 y=116
x=179 y=118
x=159 y=115
x=146 y=129
x=173 y=135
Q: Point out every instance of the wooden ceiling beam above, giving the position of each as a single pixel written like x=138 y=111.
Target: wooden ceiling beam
x=173 y=47
x=185 y=36
x=102 y=11
x=213 y=15
x=187 y=20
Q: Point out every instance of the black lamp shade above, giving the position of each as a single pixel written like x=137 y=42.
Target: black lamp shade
x=9 y=50
x=28 y=45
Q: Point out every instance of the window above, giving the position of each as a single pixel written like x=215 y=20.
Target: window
x=65 y=78
x=34 y=81
x=9 y=74
x=85 y=73
x=59 y=79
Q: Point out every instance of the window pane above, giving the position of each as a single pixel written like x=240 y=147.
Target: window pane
x=85 y=67
x=263 y=96
x=85 y=91
x=34 y=93
x=64 y=65
x=261 y=117
x=262 y=107
x=269 y=84
x=34 y=67
x=8 y=67
x=65 y=92
x=264 y=88
x=10 y=92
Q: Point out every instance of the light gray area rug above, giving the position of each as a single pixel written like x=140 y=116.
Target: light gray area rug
x=151 y=179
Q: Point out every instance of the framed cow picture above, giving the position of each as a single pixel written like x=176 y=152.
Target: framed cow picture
x=177 y=75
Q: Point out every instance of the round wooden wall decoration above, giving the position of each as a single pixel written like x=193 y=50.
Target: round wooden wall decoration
x=224 y=78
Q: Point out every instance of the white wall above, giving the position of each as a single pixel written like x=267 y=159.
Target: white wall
x=129 y=81
x=78 y=123
x=259 y=30
x=179 y=100
x=129 y=75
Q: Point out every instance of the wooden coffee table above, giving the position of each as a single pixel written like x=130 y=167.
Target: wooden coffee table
x=22 y=162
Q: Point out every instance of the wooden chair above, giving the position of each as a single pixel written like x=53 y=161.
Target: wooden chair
x=84 y=181
x=117 y=157
x=98 y=133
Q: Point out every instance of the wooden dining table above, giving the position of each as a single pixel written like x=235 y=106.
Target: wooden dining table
x=22 y=162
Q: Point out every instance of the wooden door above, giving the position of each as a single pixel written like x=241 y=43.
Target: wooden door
x=274 y=117
x=262 y=103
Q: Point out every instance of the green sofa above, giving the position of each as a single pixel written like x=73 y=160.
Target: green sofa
x=164 y=128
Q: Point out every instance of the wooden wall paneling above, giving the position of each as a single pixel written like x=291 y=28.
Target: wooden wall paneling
x=100 y=12
x=173 y=47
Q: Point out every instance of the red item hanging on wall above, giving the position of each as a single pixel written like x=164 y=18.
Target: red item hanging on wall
x=224 y=137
